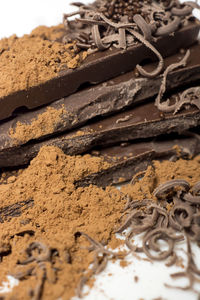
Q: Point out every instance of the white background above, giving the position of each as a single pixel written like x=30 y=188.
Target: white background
x=20 y=17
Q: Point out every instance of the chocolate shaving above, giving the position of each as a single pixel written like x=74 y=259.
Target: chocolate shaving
x=99 y=262
x=185 y=11
x=162 y=223
x=165 y=107
x=38 y=253
x=196 y=188
x=108 y=25
x=169 y=185
x=97 y=38
x=160 y=66
x=143 y=26
x=169 y=28
x=181 y=216
x=190 y=272
x=159 y=234
x=190 y=96
x=172 y=260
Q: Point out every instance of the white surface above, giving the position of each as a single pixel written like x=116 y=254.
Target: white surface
x=20 y=17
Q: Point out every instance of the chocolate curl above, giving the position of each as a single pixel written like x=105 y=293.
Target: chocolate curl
x=185 y=98
x=165 y=107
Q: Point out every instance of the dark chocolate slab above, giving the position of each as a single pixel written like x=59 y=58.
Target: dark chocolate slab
x=143 y=121
x=136 y=157
x=98 y=67
x=108 y=98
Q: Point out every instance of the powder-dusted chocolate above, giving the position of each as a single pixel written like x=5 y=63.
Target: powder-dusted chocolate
x=128 y=159
x=49 y=245
x=143 y=121
x=92 y=70
x=33 y=59
x=106 y=98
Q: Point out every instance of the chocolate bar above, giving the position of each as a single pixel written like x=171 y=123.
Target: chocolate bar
x=143 y=121
x=127 y=160
x=103 y=99
x=98 y=67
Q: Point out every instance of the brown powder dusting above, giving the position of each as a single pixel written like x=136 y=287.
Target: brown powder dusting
x=52 y=33
x=52 y=213
x=44 y=124
x=33 y=59
x=58 y=212
x=160 y=172
x=124 y=263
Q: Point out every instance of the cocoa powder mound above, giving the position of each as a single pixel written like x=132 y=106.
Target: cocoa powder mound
x=52 y=33
x=44 y=124
x=161 y=172
x=34 y=59
x=52 y=213
x=56 y=210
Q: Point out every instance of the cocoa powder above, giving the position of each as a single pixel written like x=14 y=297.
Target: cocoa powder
x=160 y=172
x=35 y=58
x=53 y=212
x=44 y=124
x=57 y=211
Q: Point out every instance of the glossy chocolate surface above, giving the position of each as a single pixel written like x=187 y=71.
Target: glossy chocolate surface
x=97 y=68
x=116 y=95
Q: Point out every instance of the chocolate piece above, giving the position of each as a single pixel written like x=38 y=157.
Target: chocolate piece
x=96 y=68
x=15 y=210
x=143 y=121
x=136 y=157
x=105 y=98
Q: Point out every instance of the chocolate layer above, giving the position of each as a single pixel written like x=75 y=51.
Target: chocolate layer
x=99 y=67
x=143 y=121
x=128 y=160
x=107 y=98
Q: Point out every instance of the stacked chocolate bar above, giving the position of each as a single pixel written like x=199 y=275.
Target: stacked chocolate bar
x=132 y=98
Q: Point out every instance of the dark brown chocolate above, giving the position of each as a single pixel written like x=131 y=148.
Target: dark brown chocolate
x=143 y=121
x=126 y=161
x=110 y=97
x=98 y=67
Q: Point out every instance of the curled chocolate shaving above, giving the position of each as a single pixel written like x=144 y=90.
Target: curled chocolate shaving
x=99 y=262
x=163 y=218
x=169 y=185
x=122 y=38
x=164 y=106
x=160 y=66
x=143 y=26
x=189 y=96
x=40 y=254
x=22 y=275
x=172 y=260
x=181 y=216
x=190 y=272
x=169 y=28
x=194 y=232
x=128 y=221
x=44 y=252
x=37 y=293
x=184 y=11
x=80 y=286
x=192 y=199
x=148 y=17
x=161 y=222
x=97 y=38
x=196 y=188
x=130 y=244
x=153 y=236
x=192 y=4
